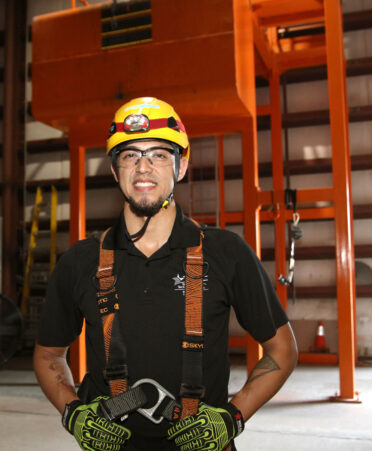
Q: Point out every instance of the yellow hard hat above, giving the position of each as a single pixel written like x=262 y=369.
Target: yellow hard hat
x=147 y=118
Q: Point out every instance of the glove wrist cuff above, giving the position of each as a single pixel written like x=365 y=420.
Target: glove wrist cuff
x=67 y=413
x=237 y=418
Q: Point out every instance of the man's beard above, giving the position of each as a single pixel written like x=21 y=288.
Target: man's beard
x=145 y=209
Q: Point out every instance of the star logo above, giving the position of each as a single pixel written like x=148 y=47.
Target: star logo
x=178 y=280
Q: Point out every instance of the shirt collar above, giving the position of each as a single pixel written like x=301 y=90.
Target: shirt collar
x=184 y=233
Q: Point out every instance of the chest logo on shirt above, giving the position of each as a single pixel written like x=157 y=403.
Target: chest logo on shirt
x=180 y=283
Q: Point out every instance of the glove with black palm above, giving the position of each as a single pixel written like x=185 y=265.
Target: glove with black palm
x=91 y=430
x=211 y=428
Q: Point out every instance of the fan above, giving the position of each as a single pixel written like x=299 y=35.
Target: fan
x=11 y=328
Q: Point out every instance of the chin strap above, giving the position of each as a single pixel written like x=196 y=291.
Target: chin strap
x=141 y=232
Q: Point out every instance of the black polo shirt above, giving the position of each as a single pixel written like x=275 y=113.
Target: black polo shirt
x=152 y=307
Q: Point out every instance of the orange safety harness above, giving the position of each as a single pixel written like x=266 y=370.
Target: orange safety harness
x=116 y=369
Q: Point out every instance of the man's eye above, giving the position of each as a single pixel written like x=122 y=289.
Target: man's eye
x=163 y=156
x=159 y=156
x=129 y=156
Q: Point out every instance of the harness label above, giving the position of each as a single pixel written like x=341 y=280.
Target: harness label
x=180 y=283
x=188 y=345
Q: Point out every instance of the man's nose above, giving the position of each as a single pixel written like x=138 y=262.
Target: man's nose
x=143 y=164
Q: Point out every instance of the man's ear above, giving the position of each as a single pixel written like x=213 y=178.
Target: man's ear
x=184 y=163
x=114 y=173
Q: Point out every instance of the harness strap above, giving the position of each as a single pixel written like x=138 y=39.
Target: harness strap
x=192 y=389
x=116 y=370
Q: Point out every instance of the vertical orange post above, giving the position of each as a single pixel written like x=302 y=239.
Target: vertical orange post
x=343 y=202
x=278 y=184
x=77 y=232
x=245 y=62
x=221 y=181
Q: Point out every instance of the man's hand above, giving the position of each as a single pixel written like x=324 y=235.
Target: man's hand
x=211 y=428
x=92 y=431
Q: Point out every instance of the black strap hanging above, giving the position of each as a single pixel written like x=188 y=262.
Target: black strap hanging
x=294 y=235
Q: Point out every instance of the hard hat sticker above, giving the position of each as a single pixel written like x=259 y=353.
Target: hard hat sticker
x=141 y=107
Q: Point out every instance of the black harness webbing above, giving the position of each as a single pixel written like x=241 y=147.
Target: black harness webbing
x=116 y=369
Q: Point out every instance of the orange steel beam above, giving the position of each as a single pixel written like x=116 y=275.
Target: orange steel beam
x=237 y=217
x=305 y=214
x=342 y=193
x=263 y=110
x=313 y=213
x=285 y=12
x=221 y=182
x=278 y=185
x=262 y=45
x=244 y=38
x=238 y=341
x=77 y=232
x=315 y=195
x=244 y=43
x=301 y=58
x=303 y=196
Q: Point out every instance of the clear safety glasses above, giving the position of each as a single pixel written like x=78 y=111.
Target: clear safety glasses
x=157 y=157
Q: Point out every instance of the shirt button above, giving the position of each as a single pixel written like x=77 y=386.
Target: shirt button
x=146 y=291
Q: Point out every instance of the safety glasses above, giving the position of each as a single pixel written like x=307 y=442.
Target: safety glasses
x=158 y=157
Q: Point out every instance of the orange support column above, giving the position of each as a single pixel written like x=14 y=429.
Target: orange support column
x=245 y=62
x=342 y=197
x=77 y=232
x=278 y=185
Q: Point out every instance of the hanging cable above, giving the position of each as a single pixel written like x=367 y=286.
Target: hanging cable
x=294 y=235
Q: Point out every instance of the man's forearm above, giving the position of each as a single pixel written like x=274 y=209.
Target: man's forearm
x=270 y=373
x=54 y=375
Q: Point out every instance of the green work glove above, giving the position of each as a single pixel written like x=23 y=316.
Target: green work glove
x=211 y=428
x=90 y=429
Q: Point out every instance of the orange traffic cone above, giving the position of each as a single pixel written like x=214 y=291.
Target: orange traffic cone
x=320 y=343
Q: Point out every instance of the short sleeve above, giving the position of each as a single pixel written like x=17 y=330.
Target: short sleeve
x=255 y=302
x=61 y=320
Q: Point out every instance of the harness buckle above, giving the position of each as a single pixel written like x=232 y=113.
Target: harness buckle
x=162 y=393
x=192 y=391
x=115 y=372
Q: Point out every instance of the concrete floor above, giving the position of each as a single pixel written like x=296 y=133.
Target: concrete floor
x=298 y=418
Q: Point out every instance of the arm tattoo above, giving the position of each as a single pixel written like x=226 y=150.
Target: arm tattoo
x=55 y=365
x=264 y=366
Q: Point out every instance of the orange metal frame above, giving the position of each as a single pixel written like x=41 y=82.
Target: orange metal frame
x=219 y=84
x=268 y=14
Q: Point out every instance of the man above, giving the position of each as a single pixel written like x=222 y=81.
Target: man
x=157 y=308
